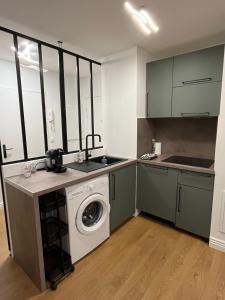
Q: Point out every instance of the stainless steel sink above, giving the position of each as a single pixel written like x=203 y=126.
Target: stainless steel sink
x=94 y=163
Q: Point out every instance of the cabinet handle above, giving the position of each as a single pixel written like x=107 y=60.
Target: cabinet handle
x=196 y=81
x=179 y=199
x=147 y=104
x=200 y=114
x=114 y=187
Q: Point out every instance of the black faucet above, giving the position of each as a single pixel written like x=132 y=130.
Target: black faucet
x=87 y=155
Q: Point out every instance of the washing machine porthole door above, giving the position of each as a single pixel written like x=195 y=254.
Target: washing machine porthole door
x=92 y=214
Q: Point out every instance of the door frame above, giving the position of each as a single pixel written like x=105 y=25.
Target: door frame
x=4 y=204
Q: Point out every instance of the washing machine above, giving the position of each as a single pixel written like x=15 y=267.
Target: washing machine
x=88 y=215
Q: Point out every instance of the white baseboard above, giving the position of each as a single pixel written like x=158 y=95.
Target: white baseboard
x=217 y=244
x=1 y=204
x=136 y=213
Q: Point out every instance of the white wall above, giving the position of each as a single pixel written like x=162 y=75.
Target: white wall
x=119 y=79
x=217 y=234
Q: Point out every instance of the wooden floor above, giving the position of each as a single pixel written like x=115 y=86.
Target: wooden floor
x=142 y=260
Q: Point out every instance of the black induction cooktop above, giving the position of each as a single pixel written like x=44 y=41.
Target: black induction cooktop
x=190 y=161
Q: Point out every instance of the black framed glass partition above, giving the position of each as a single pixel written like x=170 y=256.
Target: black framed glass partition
x=72 y=102
x=10 y=113
x=86 y=101
x=50 y=60
x=31 y=94
x=97 y=102
x=52 y=97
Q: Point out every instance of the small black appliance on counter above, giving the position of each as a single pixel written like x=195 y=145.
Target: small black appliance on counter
x=54 y=160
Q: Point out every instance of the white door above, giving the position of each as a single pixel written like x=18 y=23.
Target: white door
x=10 y=124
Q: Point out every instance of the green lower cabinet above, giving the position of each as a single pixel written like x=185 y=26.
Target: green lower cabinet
x=156 y=191
x=182 y=197
x=122 y=186
x=194 y=206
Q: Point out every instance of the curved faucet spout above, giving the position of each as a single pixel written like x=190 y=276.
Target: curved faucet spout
x=87 y=155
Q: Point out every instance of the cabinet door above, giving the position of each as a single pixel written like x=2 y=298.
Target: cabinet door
x=197 y=100
x=198 y=66
x=156 y=191
x=159 y=88
x=194 y=208
x=122 y=186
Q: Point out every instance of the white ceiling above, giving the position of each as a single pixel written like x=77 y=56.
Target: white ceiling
x=103 y=27
x=49 y=56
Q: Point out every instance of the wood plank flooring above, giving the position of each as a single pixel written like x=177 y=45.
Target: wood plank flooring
x=144 y=259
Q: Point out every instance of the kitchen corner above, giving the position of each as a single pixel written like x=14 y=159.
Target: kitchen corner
x=159 y=161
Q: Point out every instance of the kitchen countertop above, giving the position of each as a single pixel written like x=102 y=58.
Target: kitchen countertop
x=159 y=162
x=43 y=182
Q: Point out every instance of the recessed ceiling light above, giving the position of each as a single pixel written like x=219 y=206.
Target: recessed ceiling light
x=143 y=18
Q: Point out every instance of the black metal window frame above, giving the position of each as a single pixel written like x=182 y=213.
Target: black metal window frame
x=61 y=52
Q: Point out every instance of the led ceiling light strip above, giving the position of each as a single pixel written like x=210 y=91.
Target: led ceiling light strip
x=134 y=12
x=143 y=18
x=142 y=25
x=151 y=23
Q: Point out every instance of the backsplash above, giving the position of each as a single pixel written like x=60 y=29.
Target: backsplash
x=191 y=136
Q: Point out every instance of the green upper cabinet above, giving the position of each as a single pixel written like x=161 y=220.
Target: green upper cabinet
x=122 y=186
x=197 y=100
x=186 y=85
x=200 y=66
x=159 y=88
x=197 y=80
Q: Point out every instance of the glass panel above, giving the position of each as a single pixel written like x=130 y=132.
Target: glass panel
x=92 y=214
x=30 y=79
x=98 y=107
x=52 y=97
x=70 y=75
x=10 y=122
x=85 y=97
